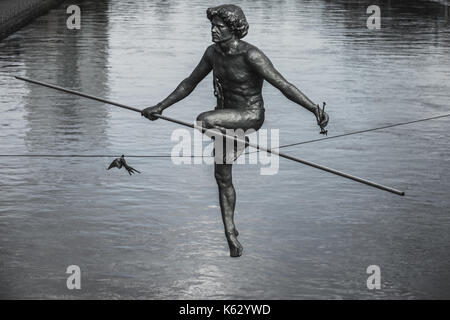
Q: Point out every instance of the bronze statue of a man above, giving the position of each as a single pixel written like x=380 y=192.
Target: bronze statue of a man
x=239 y=70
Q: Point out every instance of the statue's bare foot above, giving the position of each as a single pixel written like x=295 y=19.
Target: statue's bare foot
x=234 y=245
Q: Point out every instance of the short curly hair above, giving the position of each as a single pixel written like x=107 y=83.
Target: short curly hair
x=232 y=16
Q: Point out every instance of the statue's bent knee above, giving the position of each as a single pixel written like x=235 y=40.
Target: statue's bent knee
x=204 y=120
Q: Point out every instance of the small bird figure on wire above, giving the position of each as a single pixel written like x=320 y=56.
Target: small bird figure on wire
x=119 y=162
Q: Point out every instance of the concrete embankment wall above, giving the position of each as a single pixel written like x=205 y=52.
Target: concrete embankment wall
x=15 y=14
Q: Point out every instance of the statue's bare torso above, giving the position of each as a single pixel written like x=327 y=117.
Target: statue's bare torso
x=234 y=79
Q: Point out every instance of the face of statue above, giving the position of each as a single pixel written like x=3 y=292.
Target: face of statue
x=219 y=30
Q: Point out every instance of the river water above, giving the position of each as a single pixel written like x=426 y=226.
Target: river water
x=159 y=234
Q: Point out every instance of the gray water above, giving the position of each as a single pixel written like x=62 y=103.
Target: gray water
x=159 y=234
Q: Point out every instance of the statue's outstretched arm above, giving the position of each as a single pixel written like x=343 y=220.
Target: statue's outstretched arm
x=188 y=85
x=264 y=67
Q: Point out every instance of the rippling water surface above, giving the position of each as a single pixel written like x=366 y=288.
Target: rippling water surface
x=159 y=235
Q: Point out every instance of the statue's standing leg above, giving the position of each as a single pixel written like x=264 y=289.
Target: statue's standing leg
x=227 y=200
x=222 y=119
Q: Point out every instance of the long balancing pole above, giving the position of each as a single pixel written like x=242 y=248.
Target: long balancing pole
x=220 y=134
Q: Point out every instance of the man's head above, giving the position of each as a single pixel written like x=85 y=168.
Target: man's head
x=227 y=21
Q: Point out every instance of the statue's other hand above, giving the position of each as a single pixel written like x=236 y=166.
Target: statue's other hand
x=321 y=117
x=147 y=112
x=323 y=121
